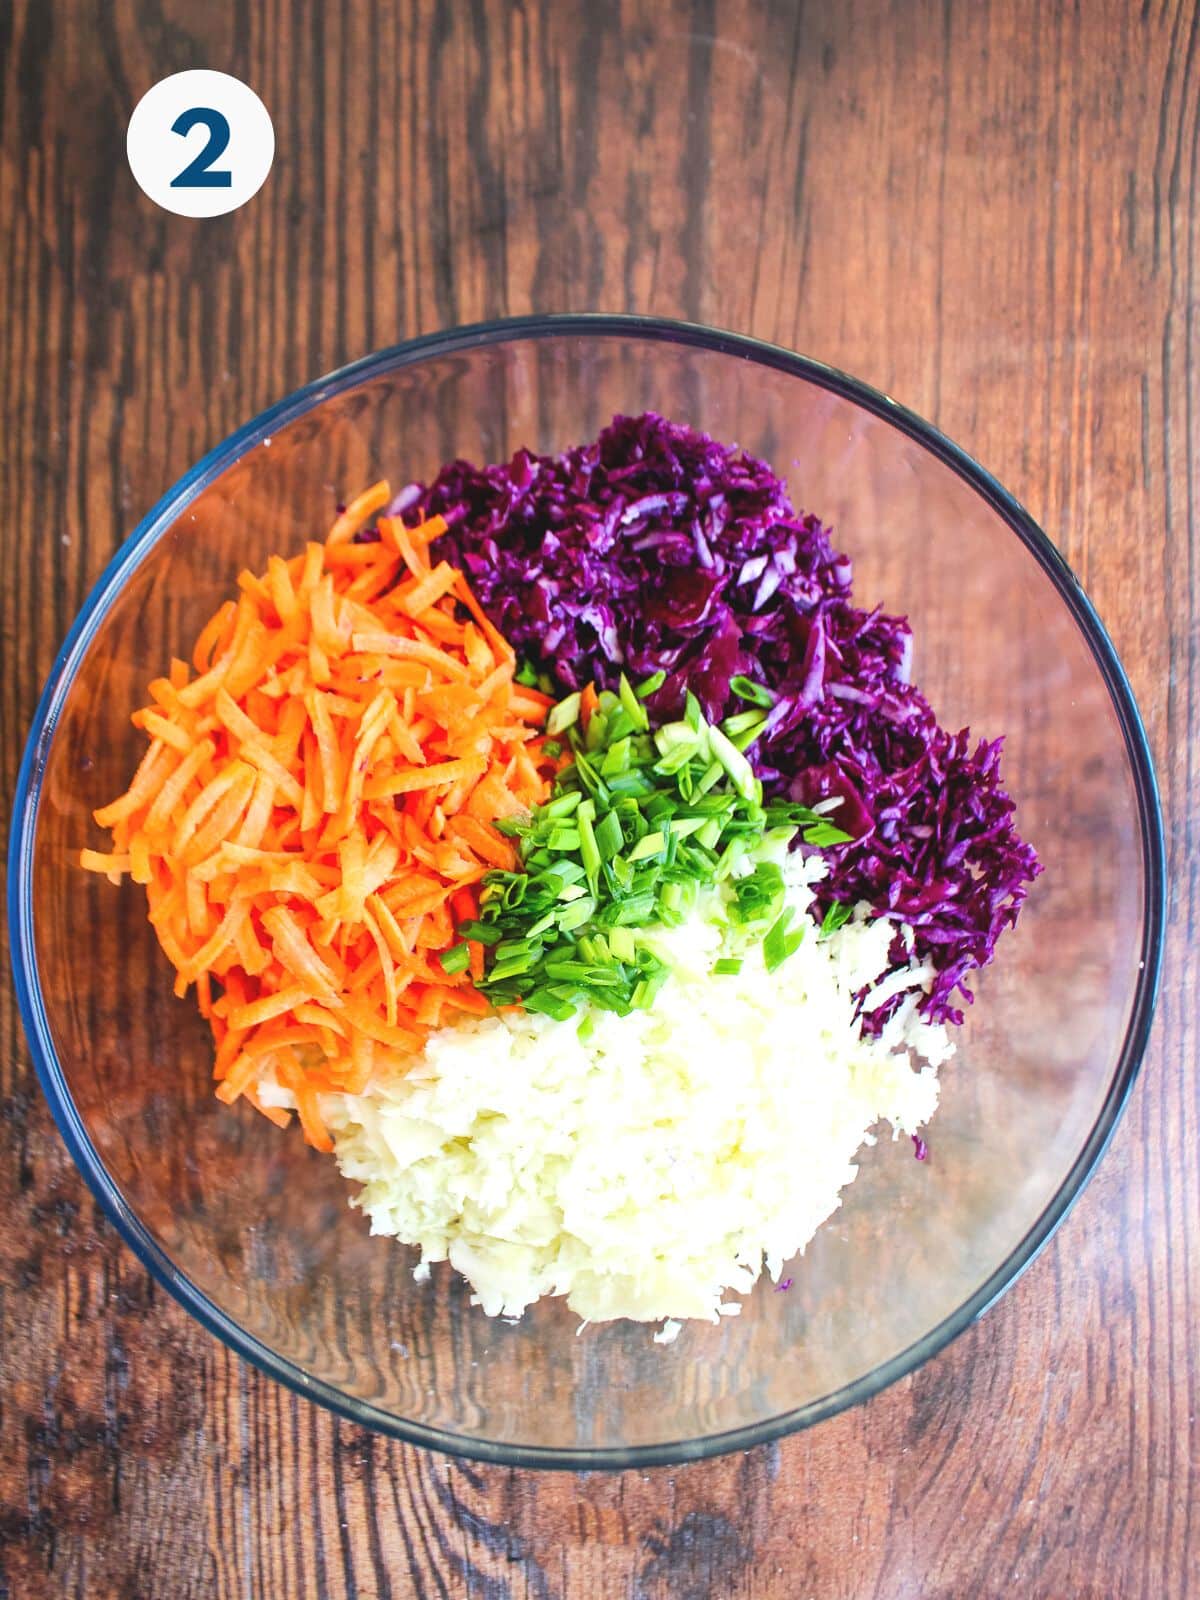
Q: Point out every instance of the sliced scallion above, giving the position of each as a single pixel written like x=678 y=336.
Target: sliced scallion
x=837 y=916
x=564 y=715
x=746 y=689
x=456 y=959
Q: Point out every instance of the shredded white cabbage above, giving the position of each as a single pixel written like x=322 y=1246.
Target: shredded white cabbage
x=652 y=1167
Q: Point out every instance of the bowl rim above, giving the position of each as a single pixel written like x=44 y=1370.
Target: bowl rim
x=95 y=609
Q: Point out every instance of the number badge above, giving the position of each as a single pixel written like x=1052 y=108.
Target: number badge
x=200 y=143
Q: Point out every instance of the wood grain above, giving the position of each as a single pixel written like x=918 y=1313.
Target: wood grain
x=986 y=208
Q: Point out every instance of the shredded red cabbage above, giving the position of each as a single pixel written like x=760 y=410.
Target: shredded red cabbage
x=657 y=548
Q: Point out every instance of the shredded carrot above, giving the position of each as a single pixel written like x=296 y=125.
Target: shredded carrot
x=358 y=512
x=218 y=630
x=589 y=700
x=160 y=727
x=487 y=844
x=275 y=1114
x=112 y=865
x=316 y=803
x=439 y=776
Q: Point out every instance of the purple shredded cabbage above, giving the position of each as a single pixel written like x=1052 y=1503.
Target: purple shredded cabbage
x=920 y=1148
x=656 y=548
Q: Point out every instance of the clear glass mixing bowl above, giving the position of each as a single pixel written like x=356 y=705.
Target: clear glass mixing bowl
x=250 y=1229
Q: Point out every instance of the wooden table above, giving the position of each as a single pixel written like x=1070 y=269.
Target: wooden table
x=987 y=209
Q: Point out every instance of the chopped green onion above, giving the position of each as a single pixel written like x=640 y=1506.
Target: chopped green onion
x=620 y=726
x=710 y=776
x=638 y=823
x=738 y=769
x=563 y=840
x=814 y=827
x=564 y=804
x=588 y=850
x=779 y=944
x=727 y=967
x=633 y=706
x=608 y=835
x=836 y=917
x=672 y=896
x=709 y=833
x=577 y=913
x=743 y=722
x=574 y=972
x=822 y=834
x=743 y=741
x=746 y=689
x=650 y=685
x=637 y=910
x=646 y=992
x=456 y=959
x=648 y=846
x=758 y=896
x=551 y=1002
x=675 y=736
x=564 y=715
x=622 y=872
x=616 y=759
x=730 y=856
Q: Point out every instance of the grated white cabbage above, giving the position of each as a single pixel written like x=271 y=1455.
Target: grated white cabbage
x=652 y=1168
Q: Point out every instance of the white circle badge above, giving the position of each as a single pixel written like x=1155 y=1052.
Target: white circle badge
x=200 y=143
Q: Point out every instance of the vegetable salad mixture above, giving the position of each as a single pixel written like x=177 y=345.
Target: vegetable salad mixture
x=576 y=862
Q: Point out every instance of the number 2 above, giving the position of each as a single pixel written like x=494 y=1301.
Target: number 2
x=198 y=173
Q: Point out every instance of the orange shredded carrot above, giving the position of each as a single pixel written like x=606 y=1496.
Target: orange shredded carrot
x=217 y=630
x=317 y=800
x=589 y=701
x=428 y=590
x=112 y=865
x=439 y=776
x=275 y=1114
x=145 y=786
x=358 y=512
x=465 y=998
x=531 y=703
x=496 y=639
x=160 y=727
x=275 y=1003
x=486 y=842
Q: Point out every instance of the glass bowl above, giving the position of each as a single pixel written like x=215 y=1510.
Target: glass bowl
x=250 y=1229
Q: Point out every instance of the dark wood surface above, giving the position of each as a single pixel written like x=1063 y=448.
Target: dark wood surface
x=986 y=208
